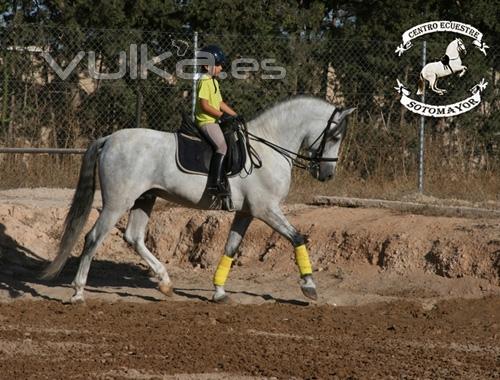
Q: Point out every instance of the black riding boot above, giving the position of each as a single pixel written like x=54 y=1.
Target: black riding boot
x=216 y=176
x=217 y=183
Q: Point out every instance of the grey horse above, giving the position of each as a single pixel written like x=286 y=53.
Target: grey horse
x=134 y=162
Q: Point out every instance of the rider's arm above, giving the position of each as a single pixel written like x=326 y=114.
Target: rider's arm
x=207 y=108
x=225 y=108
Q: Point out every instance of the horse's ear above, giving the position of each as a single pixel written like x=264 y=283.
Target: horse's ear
x=348 y=111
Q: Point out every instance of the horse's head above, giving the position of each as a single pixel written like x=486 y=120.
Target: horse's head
x=326 y=146
x=461 y=46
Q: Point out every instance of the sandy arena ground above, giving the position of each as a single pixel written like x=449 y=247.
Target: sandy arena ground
x=400 y=296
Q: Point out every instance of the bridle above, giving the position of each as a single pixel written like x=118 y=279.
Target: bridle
x=317 y=155
x=310 y=163
x=460 y=49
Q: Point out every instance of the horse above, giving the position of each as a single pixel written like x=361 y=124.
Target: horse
x=138 y=165
x=449 y=64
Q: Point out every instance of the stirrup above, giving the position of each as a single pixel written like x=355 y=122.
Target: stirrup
x=227 y=203
x=221 y=202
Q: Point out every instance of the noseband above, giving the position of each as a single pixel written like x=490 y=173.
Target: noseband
x=336 y=131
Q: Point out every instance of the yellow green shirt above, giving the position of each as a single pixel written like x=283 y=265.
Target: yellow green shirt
x=208 y=88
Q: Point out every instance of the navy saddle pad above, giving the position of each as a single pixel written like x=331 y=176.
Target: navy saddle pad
x=194 y=153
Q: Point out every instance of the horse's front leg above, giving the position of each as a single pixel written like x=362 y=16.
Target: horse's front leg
x=277 y=220
x=238 y=229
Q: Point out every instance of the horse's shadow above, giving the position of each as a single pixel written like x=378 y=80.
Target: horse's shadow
x=17 y=263
x=192 y=294
x=21 y=268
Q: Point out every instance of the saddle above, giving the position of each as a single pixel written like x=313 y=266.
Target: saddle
x=194 y=151
x=445 y=60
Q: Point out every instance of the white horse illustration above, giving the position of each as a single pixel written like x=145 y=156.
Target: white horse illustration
x=449 y=64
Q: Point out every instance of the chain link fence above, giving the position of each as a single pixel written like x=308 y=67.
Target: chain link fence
x=56 y=92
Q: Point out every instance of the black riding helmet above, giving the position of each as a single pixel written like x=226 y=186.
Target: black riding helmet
x=216 y=52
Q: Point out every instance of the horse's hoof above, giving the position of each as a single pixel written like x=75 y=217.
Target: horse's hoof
x=166 y=288
x=77 y=300
x=221 y=299
x=309 y=292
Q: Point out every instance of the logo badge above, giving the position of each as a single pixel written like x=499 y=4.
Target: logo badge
x=450 y=64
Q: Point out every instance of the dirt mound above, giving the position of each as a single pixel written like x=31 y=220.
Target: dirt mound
x=373 y=246
x=448 y=247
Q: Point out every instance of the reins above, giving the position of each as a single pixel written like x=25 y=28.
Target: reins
x=298 y=160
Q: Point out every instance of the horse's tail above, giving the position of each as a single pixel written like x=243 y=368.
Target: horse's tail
x=79 y=210
x=421 y=85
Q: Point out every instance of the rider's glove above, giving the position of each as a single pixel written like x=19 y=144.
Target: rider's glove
x=239 y=119
x=226 y=119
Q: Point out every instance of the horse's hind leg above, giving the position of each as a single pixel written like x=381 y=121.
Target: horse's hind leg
x=238 y=229
x=135 y=234
x=275 y=219
x=435 y=88
x=93 y=240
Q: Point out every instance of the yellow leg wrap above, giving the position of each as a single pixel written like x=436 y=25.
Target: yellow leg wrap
x=222 y=271
x=302 y=260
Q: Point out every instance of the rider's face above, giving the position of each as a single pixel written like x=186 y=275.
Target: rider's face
x=214 y=70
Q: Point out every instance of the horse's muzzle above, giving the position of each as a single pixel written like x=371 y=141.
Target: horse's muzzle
x=325 y=174
x=325 y=178
x=320 y=172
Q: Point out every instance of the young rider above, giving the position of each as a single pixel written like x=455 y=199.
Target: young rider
x=210 y=112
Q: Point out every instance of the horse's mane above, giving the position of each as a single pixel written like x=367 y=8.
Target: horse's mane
x=267 y=118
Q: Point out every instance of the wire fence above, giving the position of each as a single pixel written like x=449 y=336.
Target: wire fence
x=62 y=87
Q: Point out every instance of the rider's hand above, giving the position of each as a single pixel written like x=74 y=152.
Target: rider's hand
x=226 y=119
x=240 y=119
